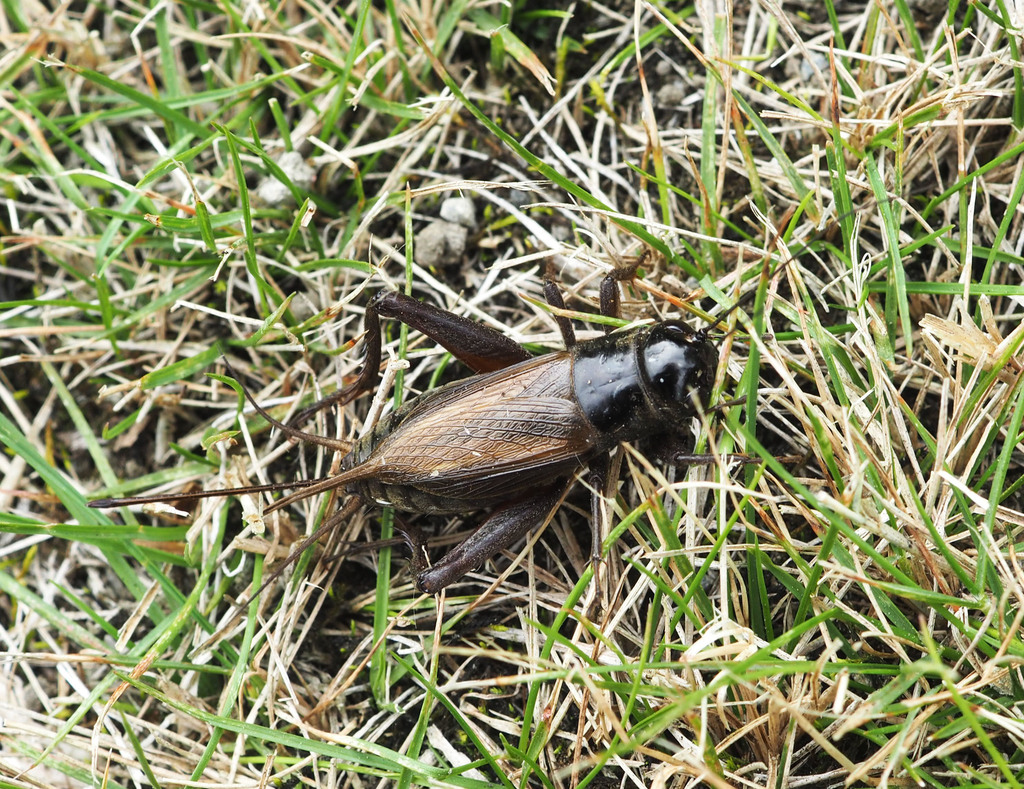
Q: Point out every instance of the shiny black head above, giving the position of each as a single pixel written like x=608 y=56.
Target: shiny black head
x=677 y=366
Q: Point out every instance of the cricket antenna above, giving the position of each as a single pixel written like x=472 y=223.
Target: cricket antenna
x=704 y=331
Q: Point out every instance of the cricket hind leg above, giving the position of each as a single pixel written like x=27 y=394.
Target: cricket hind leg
x=479 y=347
x=367 y=377
x=502 y=529
x=299 y=435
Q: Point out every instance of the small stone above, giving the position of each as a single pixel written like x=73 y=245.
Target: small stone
x=440 y=244
x=671 y=94
x=459 y=210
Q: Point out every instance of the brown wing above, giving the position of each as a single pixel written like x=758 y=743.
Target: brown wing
x=489 y=436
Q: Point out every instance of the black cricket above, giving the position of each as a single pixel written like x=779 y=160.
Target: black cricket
x=512 y=437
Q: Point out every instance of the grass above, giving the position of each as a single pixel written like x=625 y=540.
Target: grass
x=844 y=612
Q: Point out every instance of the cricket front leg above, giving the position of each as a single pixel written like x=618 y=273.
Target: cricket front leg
x=503 y=529
x=599 y=477
x=611 y=303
